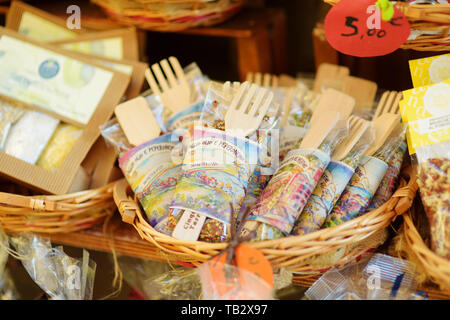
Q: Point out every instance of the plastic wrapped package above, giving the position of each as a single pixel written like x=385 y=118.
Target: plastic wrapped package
x=114 y=136
x=214 y=177
x=390 y=179
x=287 y=193
x=185 y=118
x=60 y=276
x=332 y=183
x=434 y=188
x=153 y=174
x=8 y=290
x=381 y=278
x=59 y=146
x=28 y=137
x=216 y=170
x=9 y=115
x=359 y=192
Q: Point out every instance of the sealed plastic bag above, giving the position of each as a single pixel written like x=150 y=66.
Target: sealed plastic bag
x=284 y=198
x=332 y=183
x=364 y=183
x=434 y=184
x=216 y=171
x=152 y=174
x=382 y=278
x=248 y=276
x=60 y=276
x=9 y=115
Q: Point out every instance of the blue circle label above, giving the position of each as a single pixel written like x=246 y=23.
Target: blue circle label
x=48 y=69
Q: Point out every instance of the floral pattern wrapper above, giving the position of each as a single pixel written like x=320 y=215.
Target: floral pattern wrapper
x=389 y=182
x=281 y=202
x=324 y=197
x=153 y=175
x=215 y=175
x=358 y=193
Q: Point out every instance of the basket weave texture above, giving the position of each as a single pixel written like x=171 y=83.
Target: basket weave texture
x=434 y=19
x=56 y=213
x=307 y=254
x=436 y=267
x=172 y=15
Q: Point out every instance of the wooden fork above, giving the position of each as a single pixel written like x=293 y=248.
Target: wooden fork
x=267 y=80
x=240 y=122
x=357 y=127
x=389 y=103
x=175 y=95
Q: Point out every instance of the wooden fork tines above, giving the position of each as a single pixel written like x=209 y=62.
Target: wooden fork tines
x=174 y=90
x=389 y=103
x=240 y=122
x=267 y=80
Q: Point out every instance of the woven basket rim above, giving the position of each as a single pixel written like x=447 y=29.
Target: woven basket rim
x=56 y=213
x=437 y=267
x=291 y=247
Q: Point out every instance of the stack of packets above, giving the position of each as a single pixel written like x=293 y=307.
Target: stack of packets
x=381 y=278
x=52 y=102
x=426 y=111
x=311 y=163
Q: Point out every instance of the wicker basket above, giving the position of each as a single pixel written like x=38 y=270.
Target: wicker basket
x=153 y=15
x=426 y=18
x=308 y=254
x=51 y=214
x=436 y=268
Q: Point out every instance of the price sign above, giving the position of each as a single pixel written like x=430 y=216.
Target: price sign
x=356 y=28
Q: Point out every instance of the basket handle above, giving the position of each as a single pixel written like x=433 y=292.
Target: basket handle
x=34 y=204
x=127 y=207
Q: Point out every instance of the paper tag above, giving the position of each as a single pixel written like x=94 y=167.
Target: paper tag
x=189 y=226
x=356 y=28
x=246 y=258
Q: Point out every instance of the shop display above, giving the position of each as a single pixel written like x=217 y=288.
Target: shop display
x=238 y=188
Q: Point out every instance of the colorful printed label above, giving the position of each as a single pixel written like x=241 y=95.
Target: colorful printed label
x=430 y=70
x=152 y=175
x=324 y=197
x=389 y=182
x=215 y=174
x=286 y=195
x=358 y=192
x=290 y=136
x=185 y=118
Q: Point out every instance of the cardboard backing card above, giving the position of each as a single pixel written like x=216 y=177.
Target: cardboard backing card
x=60 y=181
x=128 y=38
x=20 y=10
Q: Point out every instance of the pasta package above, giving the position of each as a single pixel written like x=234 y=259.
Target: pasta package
x=363 y=185
x=331 y=185
x=426 y=110
x=285 y=196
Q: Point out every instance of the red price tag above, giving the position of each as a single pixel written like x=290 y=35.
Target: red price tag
x=356 y=28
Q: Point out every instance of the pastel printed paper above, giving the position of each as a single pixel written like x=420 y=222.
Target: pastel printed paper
x=215 y=174
x=285 y=196
x=358 y=192
x=389 y=182
x=153 y=175
x=324 y=197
